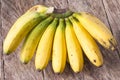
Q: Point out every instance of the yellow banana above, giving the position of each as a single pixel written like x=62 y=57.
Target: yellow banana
x=59 y=48
x=21 y=28
x=97 y=29
x=45 y=46
x=32 y=39
x=75 y=55
x=88 y=44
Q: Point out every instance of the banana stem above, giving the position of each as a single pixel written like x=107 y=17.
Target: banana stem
x=61 y=13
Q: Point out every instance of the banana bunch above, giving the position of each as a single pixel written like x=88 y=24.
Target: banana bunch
x=58 y=37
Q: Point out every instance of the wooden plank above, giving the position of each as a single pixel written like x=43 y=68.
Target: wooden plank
x=14 y=70
x=113 y=12
x=113 y=15
x=1 y=70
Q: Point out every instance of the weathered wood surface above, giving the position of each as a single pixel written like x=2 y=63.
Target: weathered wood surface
x=106 y=10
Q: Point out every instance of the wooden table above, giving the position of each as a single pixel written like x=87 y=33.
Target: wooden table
x=106 y=10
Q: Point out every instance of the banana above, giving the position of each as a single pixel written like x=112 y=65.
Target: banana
x=41 y=9
x=88 y=44
x=45 y=46
x=32 y=39
x=59 y=48
x=22 y=27
x=75 y=55
x=97 y=29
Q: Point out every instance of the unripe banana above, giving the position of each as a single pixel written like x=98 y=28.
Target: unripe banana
x=22 y=27
x=59 y=48
x=32 y=39
x=88 y=44
x=75 y=55
x=45 y=46
x=97 y=29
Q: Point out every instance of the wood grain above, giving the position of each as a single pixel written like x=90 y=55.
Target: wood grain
x=0 y=44
x=107 y=11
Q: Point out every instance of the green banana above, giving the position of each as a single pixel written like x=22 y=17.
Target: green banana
x=21 y=28
x=44 y=48
x=59 y=48
x=32 y=39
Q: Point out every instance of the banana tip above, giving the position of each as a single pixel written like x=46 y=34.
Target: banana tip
x=24 y=62
x=7 y=52
x=38 y=70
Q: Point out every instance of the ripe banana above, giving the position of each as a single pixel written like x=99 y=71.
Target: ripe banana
x=22 y=27
x=88 y=44
x=59 y=48
x=75 y=55
x=32 y=39
x=45 y=46
x=97 y=29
